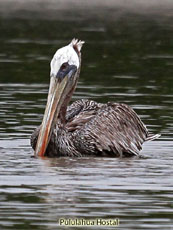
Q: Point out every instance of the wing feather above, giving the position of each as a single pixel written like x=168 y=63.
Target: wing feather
x=112 y=129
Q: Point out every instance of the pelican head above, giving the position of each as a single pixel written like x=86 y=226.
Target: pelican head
x=64 y=73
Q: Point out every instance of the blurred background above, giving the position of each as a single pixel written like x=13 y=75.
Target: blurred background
x=127 y=57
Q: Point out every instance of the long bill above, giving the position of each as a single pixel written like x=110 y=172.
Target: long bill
x=54 y=103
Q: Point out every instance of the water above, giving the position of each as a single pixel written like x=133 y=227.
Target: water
x=127 y=58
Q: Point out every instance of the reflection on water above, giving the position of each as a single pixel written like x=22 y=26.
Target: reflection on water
x=127 y=58
x=37 y=192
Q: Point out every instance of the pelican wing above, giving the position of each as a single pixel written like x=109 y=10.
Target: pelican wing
x=79 y=106
x=111 y=129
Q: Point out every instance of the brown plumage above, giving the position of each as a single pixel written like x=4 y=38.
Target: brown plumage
x=88 y=128
x=95 y=129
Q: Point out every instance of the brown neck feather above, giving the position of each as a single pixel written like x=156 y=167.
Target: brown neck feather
x=62 y=114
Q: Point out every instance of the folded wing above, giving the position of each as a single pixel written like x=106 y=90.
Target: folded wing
x=108 y=129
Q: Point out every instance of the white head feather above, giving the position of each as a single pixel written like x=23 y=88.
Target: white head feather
x=66 y=54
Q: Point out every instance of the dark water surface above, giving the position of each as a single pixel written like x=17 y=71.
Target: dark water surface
x=128 y=57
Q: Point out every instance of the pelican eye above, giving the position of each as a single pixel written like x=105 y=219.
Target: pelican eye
x=64 y=65
x=65 y=70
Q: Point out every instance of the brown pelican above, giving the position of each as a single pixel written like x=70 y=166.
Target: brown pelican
x=85 y=128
